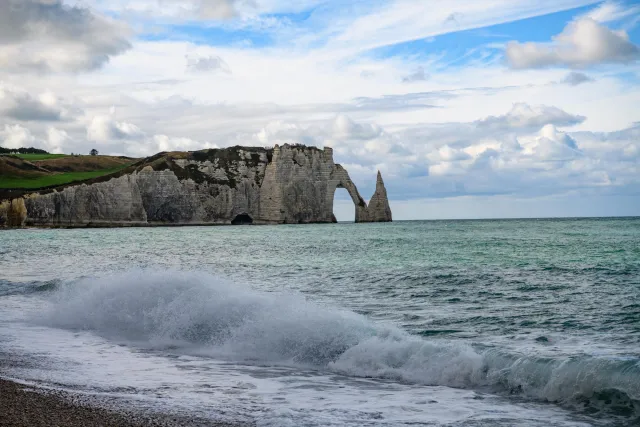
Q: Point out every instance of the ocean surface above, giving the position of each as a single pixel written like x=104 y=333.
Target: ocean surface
x=438 y=323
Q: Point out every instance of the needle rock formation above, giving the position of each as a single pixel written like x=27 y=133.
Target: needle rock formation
x=292 y=184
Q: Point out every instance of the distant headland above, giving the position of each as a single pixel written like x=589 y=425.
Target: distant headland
x=289 y=184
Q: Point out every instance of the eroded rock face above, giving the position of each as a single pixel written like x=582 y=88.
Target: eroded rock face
x=239 y=185
x=379 y=210
x=13 y=213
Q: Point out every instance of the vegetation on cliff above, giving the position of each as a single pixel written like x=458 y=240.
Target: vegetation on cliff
x=22 y=150
x=37 y=170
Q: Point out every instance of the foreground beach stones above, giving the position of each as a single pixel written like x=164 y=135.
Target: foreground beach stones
x=284 y=185
x=25 y=406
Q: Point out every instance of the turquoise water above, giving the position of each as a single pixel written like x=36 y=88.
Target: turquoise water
x=518 y=312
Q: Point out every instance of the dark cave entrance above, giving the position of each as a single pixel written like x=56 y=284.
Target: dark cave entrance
x=242 y=219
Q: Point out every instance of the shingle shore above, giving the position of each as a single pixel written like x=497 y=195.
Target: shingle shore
x=28 y=406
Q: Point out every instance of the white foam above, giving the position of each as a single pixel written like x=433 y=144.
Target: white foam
x=200 y=314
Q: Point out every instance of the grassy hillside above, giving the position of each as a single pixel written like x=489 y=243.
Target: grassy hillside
x=32 y=171
x=54 y=179
x=32 y=157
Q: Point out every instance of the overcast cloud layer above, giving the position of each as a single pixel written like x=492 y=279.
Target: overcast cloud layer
x=500 y=109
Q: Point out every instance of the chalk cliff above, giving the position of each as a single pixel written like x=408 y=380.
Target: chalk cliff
x=283 y=185
x=378 y=209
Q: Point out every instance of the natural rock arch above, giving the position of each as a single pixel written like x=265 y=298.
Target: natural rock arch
x=342 y=206
x=340 y=179
x=378 y=209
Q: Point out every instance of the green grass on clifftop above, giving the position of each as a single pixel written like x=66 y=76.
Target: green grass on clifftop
x=32 y=157
x=56 y=179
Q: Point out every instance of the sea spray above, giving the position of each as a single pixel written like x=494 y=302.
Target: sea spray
x=197 y=313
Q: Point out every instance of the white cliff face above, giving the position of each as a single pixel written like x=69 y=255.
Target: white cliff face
x=116 y=201
x=289 y=184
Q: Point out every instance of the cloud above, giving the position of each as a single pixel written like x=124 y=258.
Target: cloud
x=56 y=140
x=220 y=9
x=416 y=76
x=105 y=129
x=393 y=22
x=16 y=136
x=205 y=10
x=609 y=11
x=337 y=132
x=449 y=154
x=453 y=18
x=355 y=143
x=49 y=36
x=618 y=146
x=551 y=145
x=397 y=102
x=344 y=127
x=582 y=43
x=206 y=64
x=574 y=78
x=158 y=143
x=20 y=105
x=524 y=116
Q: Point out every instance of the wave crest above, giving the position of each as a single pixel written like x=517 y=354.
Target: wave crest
x=202 y=314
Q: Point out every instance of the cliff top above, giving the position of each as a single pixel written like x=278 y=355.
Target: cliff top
x=19 y=176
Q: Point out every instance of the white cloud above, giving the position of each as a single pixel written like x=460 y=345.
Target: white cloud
x=206 y=64
x=16 y=136
x=106 y=129
x=166 y=143
x=216 y=9
x=406 y=20
x=20 y=105
x=56 y=140
x=150 y=145
x=47 y=35
x=132 y=140
x=354 y=143
x=526 y=116
x=609 y=11
x=551 y=145
x=184 y=9
x=449 y=154
x=345 y=128
x=582 y=43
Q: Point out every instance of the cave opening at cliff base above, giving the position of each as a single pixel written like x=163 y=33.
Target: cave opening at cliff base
x=242 y=219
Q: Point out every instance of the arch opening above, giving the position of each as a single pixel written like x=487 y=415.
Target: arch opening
x=344 y=209
x=242 y=219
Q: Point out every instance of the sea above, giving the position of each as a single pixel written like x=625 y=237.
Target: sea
x=417 y=323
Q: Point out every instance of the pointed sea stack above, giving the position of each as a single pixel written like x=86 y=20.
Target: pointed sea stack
x=378 y=209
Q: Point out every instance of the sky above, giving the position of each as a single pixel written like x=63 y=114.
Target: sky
x=470 y=109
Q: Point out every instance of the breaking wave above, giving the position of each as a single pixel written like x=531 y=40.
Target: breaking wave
x=200 y=314
x=12 y=288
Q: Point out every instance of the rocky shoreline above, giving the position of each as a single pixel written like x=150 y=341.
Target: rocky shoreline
x=29 y=406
